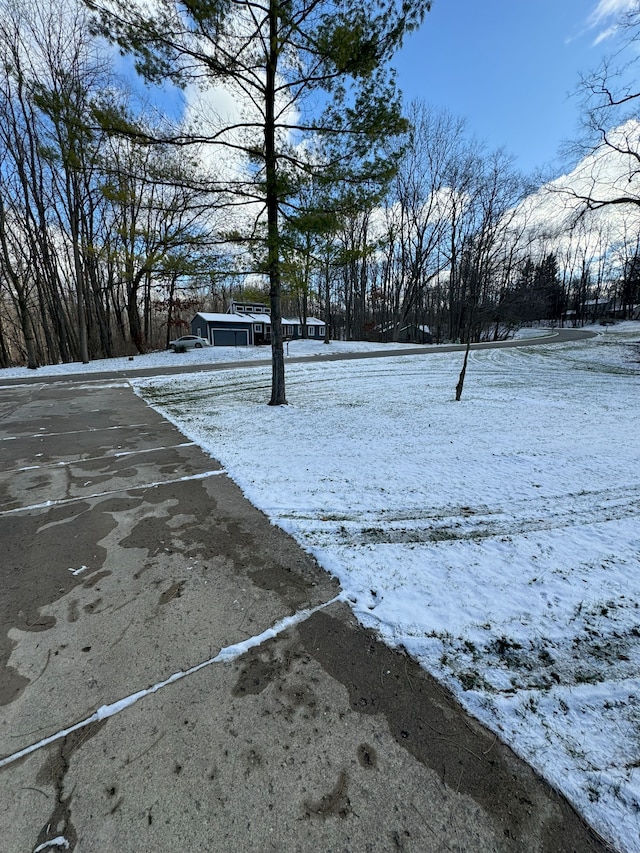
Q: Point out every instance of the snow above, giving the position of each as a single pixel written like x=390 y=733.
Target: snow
x=58 y=841
x=495 y=539
x=207 y=355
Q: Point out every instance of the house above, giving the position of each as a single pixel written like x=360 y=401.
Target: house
x=601 y=310
x=594 y=309
x=415 y=333
x=411 y=333
x=223 y=330
x=249 y=324
x=619 y=310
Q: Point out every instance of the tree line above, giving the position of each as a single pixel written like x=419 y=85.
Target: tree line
x=95 y=230
x=116 y=225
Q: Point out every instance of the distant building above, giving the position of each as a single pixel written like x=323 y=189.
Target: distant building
x=414 y=333
x=595 y=309
x=601 y=310
x=410 y=333
x=249 y=324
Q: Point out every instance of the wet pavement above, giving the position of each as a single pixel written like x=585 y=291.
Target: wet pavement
x=177 y=674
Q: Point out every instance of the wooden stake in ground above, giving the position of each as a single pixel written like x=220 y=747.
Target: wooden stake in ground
x=460 y=384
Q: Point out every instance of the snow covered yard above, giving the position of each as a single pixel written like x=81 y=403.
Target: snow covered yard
x=496 y=539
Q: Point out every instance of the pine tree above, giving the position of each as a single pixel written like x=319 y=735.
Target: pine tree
x=283 y=60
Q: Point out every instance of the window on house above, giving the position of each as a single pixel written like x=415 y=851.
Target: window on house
x=258 y=327
x=312 y=331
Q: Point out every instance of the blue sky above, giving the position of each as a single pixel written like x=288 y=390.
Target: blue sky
x=509 y=67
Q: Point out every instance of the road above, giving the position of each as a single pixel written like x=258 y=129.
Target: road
x=556 y=336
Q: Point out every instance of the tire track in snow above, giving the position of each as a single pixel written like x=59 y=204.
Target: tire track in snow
x=432 y=525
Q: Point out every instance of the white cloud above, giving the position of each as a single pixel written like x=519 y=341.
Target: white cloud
x=606 y=9
x=605 y=15
x=603 y=35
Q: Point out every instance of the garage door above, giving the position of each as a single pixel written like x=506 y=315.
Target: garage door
x=230 y=337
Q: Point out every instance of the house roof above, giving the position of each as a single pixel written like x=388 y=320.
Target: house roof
x=389 y=327
x=423 y=328
x=246 y=317
x=223 y=318
x=287 y=321
x=255 y=318
x=311 y=321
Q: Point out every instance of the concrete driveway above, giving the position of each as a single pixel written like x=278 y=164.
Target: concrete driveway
x=176 y=674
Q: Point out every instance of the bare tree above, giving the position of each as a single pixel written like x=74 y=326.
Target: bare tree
x=610 y=98
x=479 y=260
x=14 y=272
x=158 y=208
x=27 y=185
x=47 y=81
x=415 y=214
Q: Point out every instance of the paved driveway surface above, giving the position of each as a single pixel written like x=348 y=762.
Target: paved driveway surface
x=128 y=559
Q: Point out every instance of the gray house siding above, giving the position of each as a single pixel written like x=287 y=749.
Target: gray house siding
x=222 y=330
x=241 y=330
x=199 y=327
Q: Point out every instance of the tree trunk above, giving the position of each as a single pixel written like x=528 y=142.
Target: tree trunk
x=83 y=339
x=172 y=291
x=460 y=384
x=148 y=331
x=278 y=397
x=82 y=317
x=135 y=324
x=100 y=309
x=28 y=333
x=327 y=305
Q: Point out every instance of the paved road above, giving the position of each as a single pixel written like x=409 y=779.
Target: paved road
x=176 y=674
x=555 y=336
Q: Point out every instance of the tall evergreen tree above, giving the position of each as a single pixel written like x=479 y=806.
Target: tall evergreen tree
x=280 y=59
x=548 y=287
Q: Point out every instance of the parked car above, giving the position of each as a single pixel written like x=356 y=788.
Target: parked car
x=189 y=342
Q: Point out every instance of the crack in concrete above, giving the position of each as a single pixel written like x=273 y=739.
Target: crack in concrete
x=225 y=655
x=142 y=487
